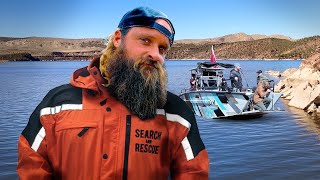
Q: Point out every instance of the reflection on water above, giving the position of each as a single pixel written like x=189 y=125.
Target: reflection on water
x=312 y=123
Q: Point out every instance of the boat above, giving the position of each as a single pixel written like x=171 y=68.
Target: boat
x=210 y=97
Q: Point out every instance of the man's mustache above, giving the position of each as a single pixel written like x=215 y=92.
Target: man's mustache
x=141 y=63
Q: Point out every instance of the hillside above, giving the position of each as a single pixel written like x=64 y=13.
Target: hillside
x=233 y=46
x=269 y=48
x=231 y=38
x=51 y=48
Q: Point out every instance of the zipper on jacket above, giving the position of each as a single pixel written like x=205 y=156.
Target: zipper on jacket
x=126 y=146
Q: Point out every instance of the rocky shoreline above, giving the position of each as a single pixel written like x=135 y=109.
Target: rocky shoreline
x=301 y=87
x=29 y=57
x=18 y=57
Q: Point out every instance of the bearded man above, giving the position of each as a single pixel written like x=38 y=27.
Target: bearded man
x=116 y=120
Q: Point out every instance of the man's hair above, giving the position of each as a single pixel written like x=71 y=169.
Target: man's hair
x=109 y=50
x=106 y=54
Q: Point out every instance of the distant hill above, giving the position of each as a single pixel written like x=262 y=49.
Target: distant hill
x=261 y=48
x=233 y=46
x=232 y=38
x=52 y=48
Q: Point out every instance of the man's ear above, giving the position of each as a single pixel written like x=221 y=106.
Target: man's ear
x=117 y=38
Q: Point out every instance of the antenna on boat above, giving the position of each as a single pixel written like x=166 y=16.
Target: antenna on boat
x=244 y=77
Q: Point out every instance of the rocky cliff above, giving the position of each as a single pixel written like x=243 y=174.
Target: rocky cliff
x=302 y=87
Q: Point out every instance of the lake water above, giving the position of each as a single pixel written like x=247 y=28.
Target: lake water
x=281 y=145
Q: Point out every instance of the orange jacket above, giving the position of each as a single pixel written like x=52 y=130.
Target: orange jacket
x=79 y=131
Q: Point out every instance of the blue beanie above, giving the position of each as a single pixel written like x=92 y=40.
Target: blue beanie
x=146 y=17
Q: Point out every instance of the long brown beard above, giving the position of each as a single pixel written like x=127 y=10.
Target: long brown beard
x=140 y=88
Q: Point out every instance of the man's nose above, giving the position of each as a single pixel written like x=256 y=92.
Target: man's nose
x=154 y=55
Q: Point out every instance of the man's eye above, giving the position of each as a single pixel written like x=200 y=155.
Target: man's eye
x=145 y=40
x=162 y=50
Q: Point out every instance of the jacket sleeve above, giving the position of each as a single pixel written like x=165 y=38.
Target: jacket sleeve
x=32 y=164
x=33 y=158
x=189 y=156
x=190 y=161
x=33 y=161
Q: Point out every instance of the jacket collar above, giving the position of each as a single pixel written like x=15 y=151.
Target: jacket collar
x=89 y=77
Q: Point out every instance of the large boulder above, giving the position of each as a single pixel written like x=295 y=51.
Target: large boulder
x=304 y=95
x=288 y=72
x=302 y=87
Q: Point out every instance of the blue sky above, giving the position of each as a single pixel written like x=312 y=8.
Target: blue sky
x=196 y=19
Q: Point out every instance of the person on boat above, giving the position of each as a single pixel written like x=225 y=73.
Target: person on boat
x=236 y=79
x=193 y=81
x=261 y=77
x=116 y=120
x=260 y=99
